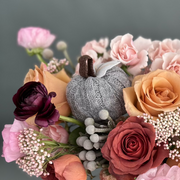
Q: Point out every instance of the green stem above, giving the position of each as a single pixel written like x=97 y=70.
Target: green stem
x=41 y=59
x=71 y=120
x=125 y=70
x=68 y=58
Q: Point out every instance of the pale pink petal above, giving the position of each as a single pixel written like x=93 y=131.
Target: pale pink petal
x=149 y=175
x=142 y=44
x=176 y=44
x=163 y=170
x=116 y=39
x=10 y=155
x=18 y=126
x=6 y=133
x=167 y=58
x=157 y=64
x=92 y=54
x=127 y=39
x=143 y=62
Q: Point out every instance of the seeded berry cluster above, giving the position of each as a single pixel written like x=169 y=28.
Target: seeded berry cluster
x=167 y=128
x=93 y=141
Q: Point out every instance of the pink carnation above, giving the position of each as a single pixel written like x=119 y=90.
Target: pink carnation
x=163 y=172
x=159 y=48
x=130 y=53
x=169 y=61
x=34 y=37
x=98 y=47
x=10 y=133
x=56 y=132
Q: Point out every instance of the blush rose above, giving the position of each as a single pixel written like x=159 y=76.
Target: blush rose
x=169 y=61
x=130 y=148
x=159 y=48
x=153 y=93
x=130 y=53
x=163 y=172
x=98 y=47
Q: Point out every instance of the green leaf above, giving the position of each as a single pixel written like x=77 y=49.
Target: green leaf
x=75 y=134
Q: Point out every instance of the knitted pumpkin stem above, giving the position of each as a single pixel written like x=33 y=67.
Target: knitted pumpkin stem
x=86 y=66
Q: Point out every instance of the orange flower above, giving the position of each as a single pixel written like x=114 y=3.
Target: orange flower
x=69 y=167
x=53 y=82
x=153 y=93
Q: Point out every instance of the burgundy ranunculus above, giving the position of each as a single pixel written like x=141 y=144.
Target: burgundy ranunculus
x=33 y=99
x=130 y=148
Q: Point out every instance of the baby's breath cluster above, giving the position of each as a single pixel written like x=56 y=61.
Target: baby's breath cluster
x=167 y=129
x=54 y=66
x=35 y=154
x=39 y=150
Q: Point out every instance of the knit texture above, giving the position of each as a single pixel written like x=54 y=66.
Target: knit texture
x=87 y=97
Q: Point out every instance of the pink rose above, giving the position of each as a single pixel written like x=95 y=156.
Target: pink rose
x=159 y=48
x=34 y=37
x=163 y=172
x=98 y=47
x=56 y=132
x=169 y=61
x=10 y=133
x=132 y=54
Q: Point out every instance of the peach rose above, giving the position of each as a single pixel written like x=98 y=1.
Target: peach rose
x=130 y=53
x=69 y=167
x=153 y=93
x=159 y=48
x=54 y=83
x=169 y=61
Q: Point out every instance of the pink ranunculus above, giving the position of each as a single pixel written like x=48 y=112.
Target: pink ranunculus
x=98 y=47
x=56 y=132
x=163 y=172
x=35 y=37
x=159 y=48
x=130 y=53
x=169 y=61
x=10 y=133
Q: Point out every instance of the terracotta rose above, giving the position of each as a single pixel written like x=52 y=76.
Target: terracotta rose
x=69 y=167
x=130 y=148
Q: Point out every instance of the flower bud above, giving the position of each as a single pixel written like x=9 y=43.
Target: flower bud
x=61 y=46
x=47 y=54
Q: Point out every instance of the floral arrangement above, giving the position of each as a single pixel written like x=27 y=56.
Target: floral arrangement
x=117 y=109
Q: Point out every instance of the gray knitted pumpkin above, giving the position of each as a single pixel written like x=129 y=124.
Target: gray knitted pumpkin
x=88 y=95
